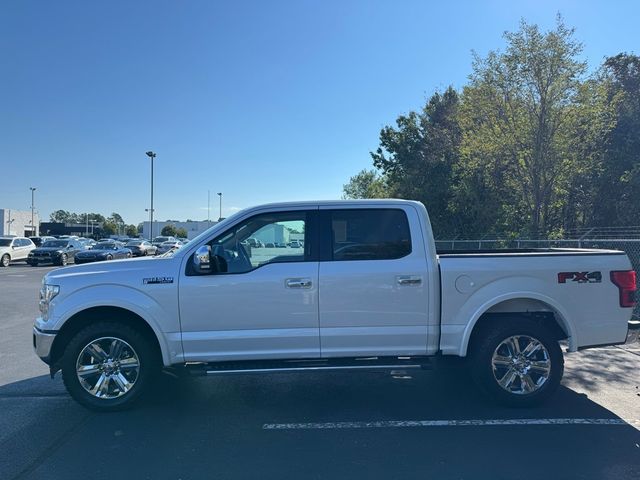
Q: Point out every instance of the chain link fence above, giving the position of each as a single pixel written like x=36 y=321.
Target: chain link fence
x=630 y=246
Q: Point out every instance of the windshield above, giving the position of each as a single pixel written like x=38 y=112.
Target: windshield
x=104 y=246
x=5 y=242
x=55 y=244
x=133 y=244
x=161 y=239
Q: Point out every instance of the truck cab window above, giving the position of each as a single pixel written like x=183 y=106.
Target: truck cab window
x=370 y=234
x=263 y=239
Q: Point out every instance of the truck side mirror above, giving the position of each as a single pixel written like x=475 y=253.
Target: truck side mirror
x=205 y=263
x=202 y=260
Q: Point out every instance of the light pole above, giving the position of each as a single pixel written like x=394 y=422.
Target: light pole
x=33 y=225
x=150 y=225
x=208 y=206
x=151 y=155
x=220 y=195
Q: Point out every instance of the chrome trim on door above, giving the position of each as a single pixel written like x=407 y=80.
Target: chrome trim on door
x=409 y=280
x=297 y=283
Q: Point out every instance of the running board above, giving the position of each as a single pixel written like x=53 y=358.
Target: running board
x=288 y=366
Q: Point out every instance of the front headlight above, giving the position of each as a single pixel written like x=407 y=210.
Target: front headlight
x=47 y=293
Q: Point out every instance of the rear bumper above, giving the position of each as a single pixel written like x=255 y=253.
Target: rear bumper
x=42 y=344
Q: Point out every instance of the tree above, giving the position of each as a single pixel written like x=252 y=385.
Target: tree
x=515 y=116
x=168 y=231
x=418 y=156
x=109 y=228
x=61 y=216
x=131 y=231
x=366 y=184
x=181 y=233
x=619 y=185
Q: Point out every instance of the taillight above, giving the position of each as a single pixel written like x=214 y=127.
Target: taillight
x=625 y=280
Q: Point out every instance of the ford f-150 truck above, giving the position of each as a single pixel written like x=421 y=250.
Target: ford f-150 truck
x=364 y=289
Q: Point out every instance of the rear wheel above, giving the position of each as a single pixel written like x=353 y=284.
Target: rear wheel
x=5 y=260
x=107 y=366
x=518 y=362
x=109 y=257
x=63 y=259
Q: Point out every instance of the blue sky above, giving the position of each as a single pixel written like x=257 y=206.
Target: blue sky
x=263 y=101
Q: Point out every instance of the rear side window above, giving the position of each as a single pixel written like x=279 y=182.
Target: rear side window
x=369 y=234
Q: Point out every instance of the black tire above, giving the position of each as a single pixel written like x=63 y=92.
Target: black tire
x=144 y=253
x=148 y=359
x=109 y=257
x=490 y=338
x=128 y=255
x=63 y=260
x=5 y=260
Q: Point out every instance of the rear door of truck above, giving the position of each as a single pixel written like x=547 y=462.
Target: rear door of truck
x=373 y=282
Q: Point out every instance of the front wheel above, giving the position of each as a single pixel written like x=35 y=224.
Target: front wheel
x=63 y=260
x=5 y=260
x=518 y=362
x=107 y=366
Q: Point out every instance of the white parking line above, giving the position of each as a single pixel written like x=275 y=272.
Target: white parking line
x=451 y=423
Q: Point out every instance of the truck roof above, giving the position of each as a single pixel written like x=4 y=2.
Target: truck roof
x=368 y=201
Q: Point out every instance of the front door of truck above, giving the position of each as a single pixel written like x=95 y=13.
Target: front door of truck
x=265 y=306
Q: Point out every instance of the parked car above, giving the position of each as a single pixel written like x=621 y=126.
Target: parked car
x=295 y=244
x=38 y=241
x=56 y=252
x=13 y=249
x=373 y=293
x=141 y=248
x=160 y=240
x=104 y=250
x=254 y=242
x=168 y=246
x=87 y=243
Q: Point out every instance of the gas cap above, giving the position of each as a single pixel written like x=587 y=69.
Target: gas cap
x=465 y=284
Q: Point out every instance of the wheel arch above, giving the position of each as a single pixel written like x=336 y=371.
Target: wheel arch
x=93 y=314
x=521 y=304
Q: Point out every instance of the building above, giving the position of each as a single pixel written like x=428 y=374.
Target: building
x=193 y=228
x=18 y=223
x=92 y=229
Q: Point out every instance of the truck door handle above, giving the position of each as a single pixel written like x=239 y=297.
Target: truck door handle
x=298 y=283
x=409 y=280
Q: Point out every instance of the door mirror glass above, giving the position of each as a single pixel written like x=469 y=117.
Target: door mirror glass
x=205 y=263
x=202 y=260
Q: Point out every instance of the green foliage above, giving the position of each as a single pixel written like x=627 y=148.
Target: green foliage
x=418 y=156
x=131 y=231
x=532 y=146
x=181 y=233
x=169 y=231
x=366 y=184
x=109 y=228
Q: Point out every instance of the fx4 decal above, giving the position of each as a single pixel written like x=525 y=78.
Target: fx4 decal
x=580 y=277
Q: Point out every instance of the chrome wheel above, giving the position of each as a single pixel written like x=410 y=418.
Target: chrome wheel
x=108 y=367
x=521 y=364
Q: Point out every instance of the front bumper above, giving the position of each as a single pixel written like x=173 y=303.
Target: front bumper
x=42 y=344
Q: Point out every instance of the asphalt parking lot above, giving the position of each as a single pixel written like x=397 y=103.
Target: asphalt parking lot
x=429 y=424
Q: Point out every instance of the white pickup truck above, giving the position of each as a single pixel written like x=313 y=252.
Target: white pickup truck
x=364 y=289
